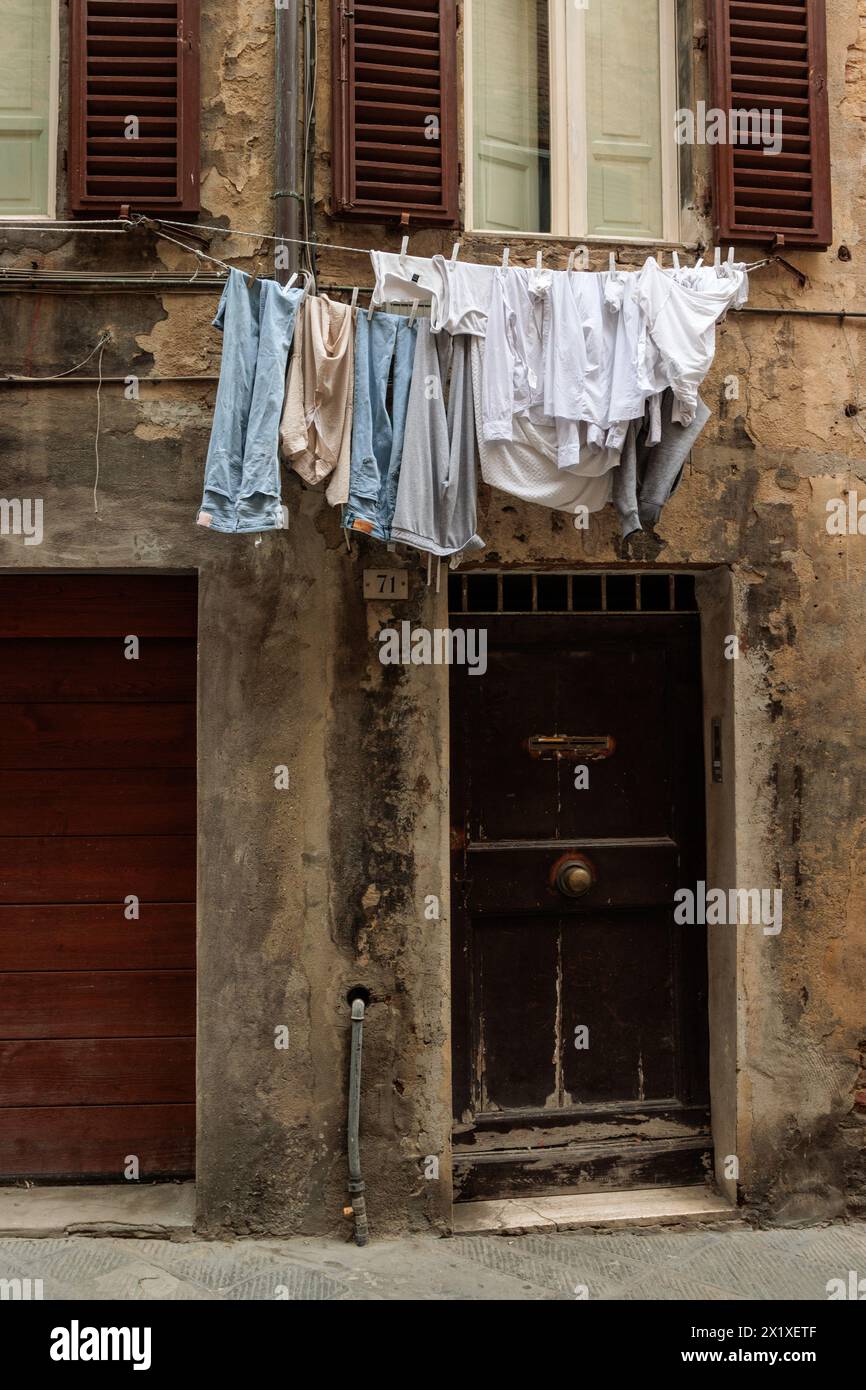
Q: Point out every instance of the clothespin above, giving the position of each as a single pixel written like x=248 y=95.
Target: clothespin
x=717 y=260
x=730 y=255
x=538 y=260
x=348 y=539
x=413 y=312
x=506 y=255
x=438 y=572
x=372 y=308
x=676 y=256
x=455 y=252
x=699 y=262
x=571 y=258
x=354 y=303
x=661 y=260
x=612 y=262
x=404 y=249
x=291 y=280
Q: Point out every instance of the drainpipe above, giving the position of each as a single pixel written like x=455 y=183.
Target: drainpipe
x=358 y=1209
x=286 y=196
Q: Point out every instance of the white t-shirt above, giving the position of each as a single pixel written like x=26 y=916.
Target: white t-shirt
x=464 y=295
x=678 y=331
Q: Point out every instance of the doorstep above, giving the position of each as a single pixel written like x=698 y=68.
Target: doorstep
x=151 y=1209
x=652 y=1206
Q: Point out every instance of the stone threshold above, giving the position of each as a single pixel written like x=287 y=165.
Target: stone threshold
x=652 y=1206
x=134 y=1209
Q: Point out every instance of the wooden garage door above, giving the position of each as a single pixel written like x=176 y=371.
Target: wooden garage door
x=97 y=808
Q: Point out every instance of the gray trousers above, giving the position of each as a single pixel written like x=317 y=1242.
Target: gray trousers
x=437 y=494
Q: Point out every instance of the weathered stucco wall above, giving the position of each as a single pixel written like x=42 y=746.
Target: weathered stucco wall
x=307 y=892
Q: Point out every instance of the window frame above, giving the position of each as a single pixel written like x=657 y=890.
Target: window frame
x=50 y=215
x=568 y=153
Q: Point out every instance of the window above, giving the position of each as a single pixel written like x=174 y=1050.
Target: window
x=567 y=104
x=28 y=107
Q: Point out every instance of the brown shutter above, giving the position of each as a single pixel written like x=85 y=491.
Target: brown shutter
x=395 y=110
x=772 y=55
x=134 y=58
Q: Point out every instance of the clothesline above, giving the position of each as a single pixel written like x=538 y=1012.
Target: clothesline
x=126 y=224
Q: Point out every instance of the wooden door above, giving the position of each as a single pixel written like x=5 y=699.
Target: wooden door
x=97 y=876
x=579 y=1022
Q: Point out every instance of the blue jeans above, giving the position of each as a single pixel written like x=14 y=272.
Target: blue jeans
x=242 y=490
x=384 y=342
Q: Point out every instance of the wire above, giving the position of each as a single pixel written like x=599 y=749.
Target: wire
x=98 y=424
x=60 y=231
x=57 y=376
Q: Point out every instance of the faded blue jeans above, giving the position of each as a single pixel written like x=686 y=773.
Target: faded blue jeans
x=242 y=488
x=383 y=342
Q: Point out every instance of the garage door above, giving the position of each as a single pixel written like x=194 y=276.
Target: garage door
x=97 y=877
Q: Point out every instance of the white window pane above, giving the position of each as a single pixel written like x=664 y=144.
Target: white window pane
x=623 y=119
x=511 y=115
x=25 y=106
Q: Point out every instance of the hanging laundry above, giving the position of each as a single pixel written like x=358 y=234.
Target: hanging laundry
x=404 y=277
x=585 y=385
x=316 y=430
x=461 y=300
x=437 y=491
x=384 y=357
x=527 y=465
x=513 y=374
x=679 y=331
x=242 y=486
x=653 y=459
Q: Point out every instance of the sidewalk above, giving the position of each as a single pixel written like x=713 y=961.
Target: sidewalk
x=608 y=1265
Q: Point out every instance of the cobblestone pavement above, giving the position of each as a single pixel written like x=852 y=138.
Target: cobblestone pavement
x=636 y=1264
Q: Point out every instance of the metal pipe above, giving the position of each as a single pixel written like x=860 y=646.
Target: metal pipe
x=356 y=1182
x=88 y=380
x=286 y=195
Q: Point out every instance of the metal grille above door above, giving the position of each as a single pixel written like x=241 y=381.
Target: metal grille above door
x=510 y=591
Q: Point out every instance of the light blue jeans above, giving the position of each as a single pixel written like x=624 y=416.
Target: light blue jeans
x=384 y=342
x=242 y=489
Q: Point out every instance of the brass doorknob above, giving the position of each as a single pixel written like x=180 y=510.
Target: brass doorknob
x=574 y=878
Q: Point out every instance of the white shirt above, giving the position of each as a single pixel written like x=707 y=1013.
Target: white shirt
x=678 y=331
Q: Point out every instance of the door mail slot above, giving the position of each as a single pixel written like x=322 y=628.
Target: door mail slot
x=577 y=748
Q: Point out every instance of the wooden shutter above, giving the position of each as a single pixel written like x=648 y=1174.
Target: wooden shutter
x=772 y=55
x=395 y=110
x=134 y=58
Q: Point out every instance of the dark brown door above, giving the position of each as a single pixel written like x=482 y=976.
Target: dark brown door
x=97 y=810
x=580 y=1021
